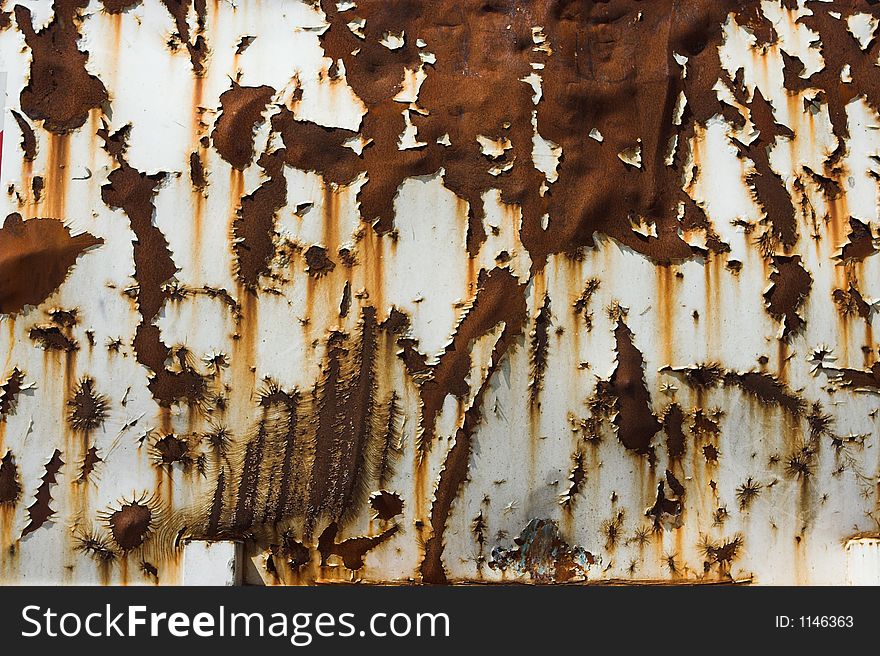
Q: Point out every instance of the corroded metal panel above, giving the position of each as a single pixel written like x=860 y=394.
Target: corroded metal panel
x=405 y=291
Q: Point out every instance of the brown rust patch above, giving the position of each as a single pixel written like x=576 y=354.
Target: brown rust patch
x=10 y=487
x=255 y=221
x=386 y=505
x=88 y=464
x=35 y=259
x=28 y=139
x=666 y=511
x=635 y=421
x=769 y=390
x=860 y=243
x=87 y=408
x=118 y=6
x=133 y=191
x=241 y=110
x=60 y=91
x=40 y=511
x=850 y=303
x=540 y=342
x=581 y=306
x=499 y=297
x=37 y=186
x=352 y=550
x=171 y=449
x=130 y=525
x=672 y=420
x=9 y=392
x=318 y=264
x=196 y=45
x=345 y=403
x=790 y=288
x=543 y=554
x=64 y=318
x=576 y=479
x=52 y=339
x=197 y=171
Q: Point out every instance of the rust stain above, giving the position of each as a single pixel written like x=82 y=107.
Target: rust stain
x=60 y=92
x=292 y=469
x=40 y=511
x=35 y=258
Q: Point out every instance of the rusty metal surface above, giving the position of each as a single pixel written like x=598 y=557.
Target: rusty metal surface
x=439 y=292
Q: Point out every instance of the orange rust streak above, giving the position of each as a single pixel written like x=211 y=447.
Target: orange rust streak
x=57 y=163
x=665 y=301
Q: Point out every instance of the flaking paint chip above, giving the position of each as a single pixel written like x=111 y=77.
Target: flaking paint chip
x=393 y=41
x=632 y=156
x=357 y=27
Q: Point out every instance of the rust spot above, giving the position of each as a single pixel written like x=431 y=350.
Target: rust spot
x=791 y=285
x=28 y=139
x=149 y=569
x=65 y=318
x=60 y=91
x=801 y=462
x=10 y=488
x=635 y=422
x=254 y=223
x=90 y=460
x=118 y=6
x=768 y=186
x=704 y=425
x=9 y=392
x=710 y=453
x=353 y=550
x=295 y=554
x=672 y=420
x=96 y=546
x=858 y=379
x=317 y=261
x=171 y=449
x=499 y=297
x=387 y=505
x=544 y=555
x=243 y=44
x=345 y=403
x=389 y=439
x=37 y=185
x=850 y=303
x=35 y=258
x=196 y=47
x=612 y=529
x=747 y=493
x=768 y=389
x=87 y=408
x=345 y=301
x=721 y=553
x=130 y=525
x=52 y=339
x=133 y=192
x=860 y=242
x=539 y=346
x=197 y=171
x=233 y=135
x=666 y=511
x=40 y=511
x=576 y=480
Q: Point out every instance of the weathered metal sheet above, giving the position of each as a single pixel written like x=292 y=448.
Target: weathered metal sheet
x=433 y=291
